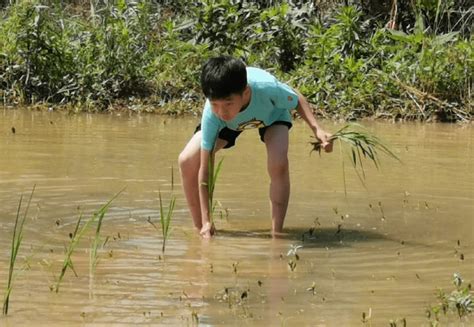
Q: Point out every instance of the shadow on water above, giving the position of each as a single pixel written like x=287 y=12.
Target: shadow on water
x=318 y=238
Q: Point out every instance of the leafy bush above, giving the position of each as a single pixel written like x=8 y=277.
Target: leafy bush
x=34 y=53
x=352 y=73
x=49 y=57
x=96 y=54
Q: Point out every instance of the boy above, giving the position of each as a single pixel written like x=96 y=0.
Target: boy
x=240 y=97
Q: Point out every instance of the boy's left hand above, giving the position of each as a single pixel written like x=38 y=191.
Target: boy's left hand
x=325 y=138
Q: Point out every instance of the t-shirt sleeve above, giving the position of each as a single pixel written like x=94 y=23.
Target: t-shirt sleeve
x=284 y=97
x=210 y=127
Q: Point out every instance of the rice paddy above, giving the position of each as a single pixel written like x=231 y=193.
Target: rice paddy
x=377 y=256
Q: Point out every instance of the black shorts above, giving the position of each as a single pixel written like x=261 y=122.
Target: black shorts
x=230 y=135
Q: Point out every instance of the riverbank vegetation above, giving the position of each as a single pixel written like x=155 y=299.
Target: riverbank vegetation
x=396 y=59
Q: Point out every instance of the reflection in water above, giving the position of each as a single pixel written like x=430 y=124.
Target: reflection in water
x=385 y=248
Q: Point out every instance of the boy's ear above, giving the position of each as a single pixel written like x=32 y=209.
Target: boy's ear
x=247 y=90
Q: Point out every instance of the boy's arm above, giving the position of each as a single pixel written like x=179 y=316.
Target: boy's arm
x=305 y=112
x=203 y=178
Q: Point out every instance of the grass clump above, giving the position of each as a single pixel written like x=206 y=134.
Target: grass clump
x=17 y=238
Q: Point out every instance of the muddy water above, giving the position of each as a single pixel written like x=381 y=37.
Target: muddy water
x=383 y=249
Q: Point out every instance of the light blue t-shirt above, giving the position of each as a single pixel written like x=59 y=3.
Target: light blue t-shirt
x=270 y=101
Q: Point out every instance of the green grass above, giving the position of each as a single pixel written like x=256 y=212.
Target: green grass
x=15 y=247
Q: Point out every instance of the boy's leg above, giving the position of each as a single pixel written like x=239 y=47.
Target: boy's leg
x=276 y=141
x=189 y=162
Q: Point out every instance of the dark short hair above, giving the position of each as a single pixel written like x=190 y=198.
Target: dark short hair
x=223 y=76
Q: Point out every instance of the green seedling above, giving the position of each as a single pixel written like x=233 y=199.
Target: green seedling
x=398 y=322
x=94 y=257
x=381 y=211
x=293 y=251
x=165 y=219
x=292 y=265
x=165 y=214
x=367 y=318
x=362 y=145
x=15 y=247
x=312 y=289
x=77 y=235
x=211 y=184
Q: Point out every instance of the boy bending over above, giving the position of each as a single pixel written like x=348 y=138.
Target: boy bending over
x=238 y=98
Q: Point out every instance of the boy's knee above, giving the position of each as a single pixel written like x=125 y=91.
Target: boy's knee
x=185 y=160
x=278 y=168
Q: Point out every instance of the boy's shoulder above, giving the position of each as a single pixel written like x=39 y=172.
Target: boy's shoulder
x=260 y=78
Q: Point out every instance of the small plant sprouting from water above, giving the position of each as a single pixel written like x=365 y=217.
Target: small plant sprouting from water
x=458 y=302
x=398 y=322
x=211 y=185
x=94 y=257
x=165 y=214
x=235 y=297
x=194 y=318
x=293 y=252
x=223 y=212
x=362 y=144
x=77 y=235
x=367 y=318
x=235 y=267
x=312 y=289
x=381 y=211
x=16 y=243
x=165 y=219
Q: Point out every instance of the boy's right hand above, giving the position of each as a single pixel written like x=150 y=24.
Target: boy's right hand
x=325 y=139
x=207 y=230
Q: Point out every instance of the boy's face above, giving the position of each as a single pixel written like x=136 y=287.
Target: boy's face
x=229 y=107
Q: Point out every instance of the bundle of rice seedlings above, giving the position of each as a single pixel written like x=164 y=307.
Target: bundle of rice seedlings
x=362 y=145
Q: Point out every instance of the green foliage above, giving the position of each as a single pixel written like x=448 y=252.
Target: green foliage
x=352 y=73
x=280 y=33
x=47 y=56
x=151 y=53
x=220 y=23
x=34 y=52
x=175 y=67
